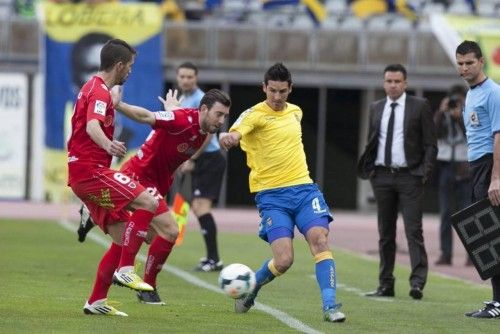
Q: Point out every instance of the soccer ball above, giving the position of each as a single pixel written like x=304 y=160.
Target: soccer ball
x=237 y=280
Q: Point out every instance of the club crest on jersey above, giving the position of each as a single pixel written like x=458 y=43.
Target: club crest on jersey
x=182 y=147
x=100 y=107
x=108 y=121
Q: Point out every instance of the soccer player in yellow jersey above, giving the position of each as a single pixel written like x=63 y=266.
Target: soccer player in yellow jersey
x=271 y=135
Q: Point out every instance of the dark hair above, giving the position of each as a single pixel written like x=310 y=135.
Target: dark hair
x=115 y=51
x=213 y=96
x=469 y=47
x=82 y=63
x=396 y=68
x=188 y=65
x=278 y=72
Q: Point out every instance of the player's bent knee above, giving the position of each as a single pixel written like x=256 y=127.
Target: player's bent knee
x=283 y=263
x=146 y=201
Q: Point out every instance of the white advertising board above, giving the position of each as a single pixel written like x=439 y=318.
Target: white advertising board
x=13 y=135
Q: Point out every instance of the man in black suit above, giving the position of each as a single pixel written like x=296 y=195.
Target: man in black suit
x=398 y=159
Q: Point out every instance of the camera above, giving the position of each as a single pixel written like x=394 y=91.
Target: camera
x=453 y=101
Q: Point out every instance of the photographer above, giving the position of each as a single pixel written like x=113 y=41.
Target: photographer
x=454 y=187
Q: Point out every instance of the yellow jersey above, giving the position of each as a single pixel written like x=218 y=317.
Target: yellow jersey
x=272 y=141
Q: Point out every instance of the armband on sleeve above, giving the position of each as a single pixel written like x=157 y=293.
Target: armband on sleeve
x=163 y=119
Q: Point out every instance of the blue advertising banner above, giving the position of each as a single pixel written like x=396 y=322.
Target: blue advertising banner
x=73 y=37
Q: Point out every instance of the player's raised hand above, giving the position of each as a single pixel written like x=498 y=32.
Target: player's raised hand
x=116 y=148
x=170 y=102
x=116 y=94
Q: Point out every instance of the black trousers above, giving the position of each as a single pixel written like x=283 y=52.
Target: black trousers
x=393 y=190
x=481 y=177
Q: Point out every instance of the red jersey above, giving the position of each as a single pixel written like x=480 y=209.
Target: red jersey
x=176 y=136
x=93 y=102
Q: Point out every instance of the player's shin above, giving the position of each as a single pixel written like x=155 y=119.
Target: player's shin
x=157 y=256
x=134 y=236
x=327 y=278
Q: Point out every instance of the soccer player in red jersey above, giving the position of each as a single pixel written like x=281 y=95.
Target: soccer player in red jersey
x=176 y=137
x=106 y=192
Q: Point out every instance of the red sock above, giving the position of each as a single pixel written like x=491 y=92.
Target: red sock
x=105 y=270
x=134 y=235
x=158 y=253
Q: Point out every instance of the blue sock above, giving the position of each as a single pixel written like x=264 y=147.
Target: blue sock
x=263 y=276
x=327 y=281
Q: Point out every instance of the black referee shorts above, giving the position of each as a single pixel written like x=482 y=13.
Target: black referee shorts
x=207 y=176
x=480 y=170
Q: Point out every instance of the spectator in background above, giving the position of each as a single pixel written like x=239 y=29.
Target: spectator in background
x=207 y=170
x=453 y=168
x=398 y=159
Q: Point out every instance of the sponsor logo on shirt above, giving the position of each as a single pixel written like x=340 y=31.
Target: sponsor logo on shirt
x=269 y=221
x=100 y=107
x=72 y=158
x=165 y=115
x=108 y=120
x=474 y=119
x=182 y=147
x=190 y=119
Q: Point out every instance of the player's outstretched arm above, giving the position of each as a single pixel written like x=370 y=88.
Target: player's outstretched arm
x=138 y=114
x=229 y=139
x=114 y=147
x=143 y=115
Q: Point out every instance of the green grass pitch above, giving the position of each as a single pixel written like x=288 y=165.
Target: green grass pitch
x=46 y=276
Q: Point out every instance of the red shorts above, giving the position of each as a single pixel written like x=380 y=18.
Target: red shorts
x=107 y=195
x=150 y=186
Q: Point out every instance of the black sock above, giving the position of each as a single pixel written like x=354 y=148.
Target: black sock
x=495 y=283
x=209 y=231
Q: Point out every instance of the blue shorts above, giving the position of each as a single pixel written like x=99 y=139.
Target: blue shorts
x=282 y=209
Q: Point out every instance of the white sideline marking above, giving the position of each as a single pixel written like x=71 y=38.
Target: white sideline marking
x=358 y=292
x=279 y=315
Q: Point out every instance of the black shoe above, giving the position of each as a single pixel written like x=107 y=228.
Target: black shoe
x=207 y=265
x=490 y=311
x=150 y=297
x=443 y=261
x=416 y=292
x=382 y=291
x=86 y=223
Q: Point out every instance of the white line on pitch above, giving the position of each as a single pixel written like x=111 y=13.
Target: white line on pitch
x=358 y=292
